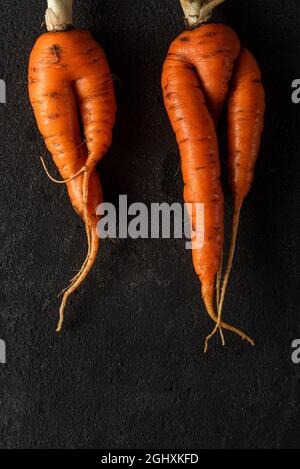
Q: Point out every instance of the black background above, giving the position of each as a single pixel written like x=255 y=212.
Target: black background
x=129 y=370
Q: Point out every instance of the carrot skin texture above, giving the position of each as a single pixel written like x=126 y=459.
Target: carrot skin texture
x=197 y=140
x=68 y=69
x=195 y=80
x=246 y=109
x=212 y=50
x=69 y=75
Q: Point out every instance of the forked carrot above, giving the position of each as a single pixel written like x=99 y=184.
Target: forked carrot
x=246 y=110
x=71 y=86
x=195 y=81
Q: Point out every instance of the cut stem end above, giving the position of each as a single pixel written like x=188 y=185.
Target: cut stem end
x=197 y=12
x=59 y=15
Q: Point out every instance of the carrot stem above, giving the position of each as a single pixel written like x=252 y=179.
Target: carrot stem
x=198 y=11
x=59 y=15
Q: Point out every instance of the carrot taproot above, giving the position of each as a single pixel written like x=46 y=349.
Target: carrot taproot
x=246 y=110
x=71 y=87
x=195 y=83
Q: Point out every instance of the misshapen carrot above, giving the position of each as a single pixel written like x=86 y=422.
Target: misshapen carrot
x=199 y=65
x=246 y=109
x=211 y=49
x=70 y=85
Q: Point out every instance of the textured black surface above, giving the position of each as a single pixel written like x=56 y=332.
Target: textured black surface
x=128 y=371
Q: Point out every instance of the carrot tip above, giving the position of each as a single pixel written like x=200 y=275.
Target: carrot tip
x=210 y=336
x=61 y=318
x=59 y=327
x=251 y=341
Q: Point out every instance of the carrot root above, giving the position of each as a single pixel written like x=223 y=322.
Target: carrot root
x=212 y=334
x=80 y=279
x=219 y=280
x=86 y=179
x=63 y=181
x=223 y=325
x=93 y=244
x=235 y=226
x=73 y=280
x=221 y=295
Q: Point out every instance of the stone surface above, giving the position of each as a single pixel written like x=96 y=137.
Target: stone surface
x=129 y=371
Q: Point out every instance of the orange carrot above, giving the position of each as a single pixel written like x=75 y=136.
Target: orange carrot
x=245 y=125
x=70 y=86
x=195 y=82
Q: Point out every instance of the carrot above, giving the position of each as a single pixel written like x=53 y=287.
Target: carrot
x=195 y=83
x=246 y=110
x=212 y=49
x=71 y=87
